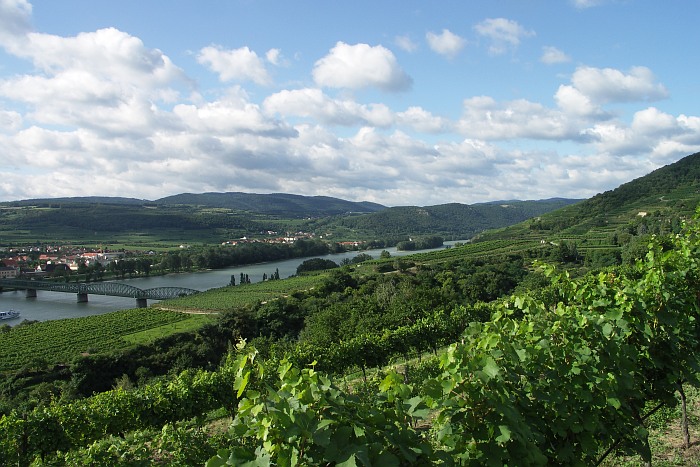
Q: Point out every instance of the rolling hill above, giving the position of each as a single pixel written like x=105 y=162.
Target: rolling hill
x=275 y=204
x=611 y=221
x=213 y=217
x=453 y=220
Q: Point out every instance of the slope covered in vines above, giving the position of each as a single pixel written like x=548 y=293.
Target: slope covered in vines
x=559 y=376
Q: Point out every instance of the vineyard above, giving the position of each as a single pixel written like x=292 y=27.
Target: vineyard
x=566 y=375
x=477 y=250
x=230 y=297
x=61 y=341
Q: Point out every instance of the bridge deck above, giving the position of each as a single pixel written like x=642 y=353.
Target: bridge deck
x=116 y=289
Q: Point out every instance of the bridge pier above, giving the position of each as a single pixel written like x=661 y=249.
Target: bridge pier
x=31 y=293
x=141 y=303
x=82 y=297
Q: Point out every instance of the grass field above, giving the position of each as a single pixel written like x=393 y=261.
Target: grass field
x=225 y=298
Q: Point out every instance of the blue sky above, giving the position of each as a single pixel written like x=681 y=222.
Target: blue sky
x=396 y=102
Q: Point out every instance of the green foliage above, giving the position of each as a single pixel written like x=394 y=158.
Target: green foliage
x=303 y=419
x=316 y=264
x=556 y=378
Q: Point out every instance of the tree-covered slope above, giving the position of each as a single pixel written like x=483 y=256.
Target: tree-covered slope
x=452 y=219
x=664 y=196
x=278 y=204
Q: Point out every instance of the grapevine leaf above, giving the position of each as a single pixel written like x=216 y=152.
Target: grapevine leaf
x=359 y=431
x=505 y=434
x=388 y=459
x=490 y=369
x=614 y=402
x=241 y=384
x=348 y=463
x=607 y=329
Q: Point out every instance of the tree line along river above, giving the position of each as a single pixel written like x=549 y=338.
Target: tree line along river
x=58 y=305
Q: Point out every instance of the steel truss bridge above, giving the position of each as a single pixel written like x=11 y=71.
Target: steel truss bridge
x=115 y=289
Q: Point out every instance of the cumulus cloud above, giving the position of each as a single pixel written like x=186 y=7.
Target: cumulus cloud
x=446 y=43
x=420 y=120
x=484 y=118
x=240 y=64
x=552 y=55
x=108 y=53
x=230 y=116
x=504 y=34
x=360 y=66
x=611 y=85
x=573 y=102
x=107 y=81
x=313 y=103
x=15 y=22
x=657 y=135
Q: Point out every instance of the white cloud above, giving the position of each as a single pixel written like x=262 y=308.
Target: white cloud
x=420 y=120
x=107 y=81
x=230 y=116
x=317 y=106
x=10 y=121
x=582 y=4
x=652 y=134
x=275 y=57
x=109 y=54
x=313 y=103
x=360 y=66
x=573 y=102
x=446 y=43
x=15 y=22
x=405 y=43
x=610 y=85
x=484 y=118
x=552 y=55
x=240 y=64
x=503 y=33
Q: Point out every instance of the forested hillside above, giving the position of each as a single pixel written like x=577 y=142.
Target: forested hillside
x=275 y=204
x=454 y=219
x=217 y=217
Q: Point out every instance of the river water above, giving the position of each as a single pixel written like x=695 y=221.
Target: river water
x=57 y=305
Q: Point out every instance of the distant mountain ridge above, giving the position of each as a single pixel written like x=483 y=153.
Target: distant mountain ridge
x=279 y=204
x=222 y=216
x=274 y=204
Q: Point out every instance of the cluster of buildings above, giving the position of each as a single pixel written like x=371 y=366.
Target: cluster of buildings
x=48 y=260
x=289 y=238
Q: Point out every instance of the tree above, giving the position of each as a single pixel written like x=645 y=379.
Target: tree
x=361 y=258
x=316 y=264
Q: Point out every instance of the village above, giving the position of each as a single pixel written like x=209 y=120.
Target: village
x=48 y=260
x=60 y=260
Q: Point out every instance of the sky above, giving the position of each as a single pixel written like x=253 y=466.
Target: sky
x=398 y=102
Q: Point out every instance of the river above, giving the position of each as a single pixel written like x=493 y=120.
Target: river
x=57 y=305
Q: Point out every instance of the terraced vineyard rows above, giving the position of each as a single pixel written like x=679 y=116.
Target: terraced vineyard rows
x=476 y=250
x=62 y=340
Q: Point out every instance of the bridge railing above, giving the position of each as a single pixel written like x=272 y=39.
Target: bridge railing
x=116 y=289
